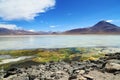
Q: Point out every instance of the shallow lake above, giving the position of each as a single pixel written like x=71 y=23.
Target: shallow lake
x=58 y=41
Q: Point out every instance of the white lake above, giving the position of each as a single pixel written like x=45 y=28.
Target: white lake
x=58 y=41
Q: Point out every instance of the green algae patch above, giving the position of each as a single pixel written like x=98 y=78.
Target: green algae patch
x=91 y=56
x=18 y=53
x=47 y=55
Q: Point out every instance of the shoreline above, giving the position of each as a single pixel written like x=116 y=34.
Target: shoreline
x=105 y=68
x=63 y=64
x=94 y=47
x=19 y=53
x=59 y=34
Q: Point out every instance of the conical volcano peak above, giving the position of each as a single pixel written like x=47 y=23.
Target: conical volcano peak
x=103 y=22
x=101 y=27
x=104 y=26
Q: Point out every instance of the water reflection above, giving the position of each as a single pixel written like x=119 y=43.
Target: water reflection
x=61 y=41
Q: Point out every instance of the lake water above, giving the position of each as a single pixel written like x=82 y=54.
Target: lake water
x=58 y=41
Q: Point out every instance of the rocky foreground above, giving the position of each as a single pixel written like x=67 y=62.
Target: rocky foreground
x=106 y=68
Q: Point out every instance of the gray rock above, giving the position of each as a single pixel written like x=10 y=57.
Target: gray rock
x=81 y=71
x=88 y=77
x=80 y=77
x=112 y=65
x=74 y=70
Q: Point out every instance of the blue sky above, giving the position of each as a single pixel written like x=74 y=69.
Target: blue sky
x=57 y=15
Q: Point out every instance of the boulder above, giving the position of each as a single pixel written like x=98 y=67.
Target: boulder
x=81 y=71
x=112 y=65
x=11 y=71
x=80 y=77
x=88 y=77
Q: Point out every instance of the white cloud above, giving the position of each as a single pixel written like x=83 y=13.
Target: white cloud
x=109 y=20
x=52 y=26
x=9 y=26
x=24 y=9
x=31 y=30
x=113 y=20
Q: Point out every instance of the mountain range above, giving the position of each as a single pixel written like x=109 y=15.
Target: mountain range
x=5 y=31
x=101 y=27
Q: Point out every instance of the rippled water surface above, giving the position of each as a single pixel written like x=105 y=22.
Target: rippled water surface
x=58 y=41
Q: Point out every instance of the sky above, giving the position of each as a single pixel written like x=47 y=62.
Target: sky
x=57 y=15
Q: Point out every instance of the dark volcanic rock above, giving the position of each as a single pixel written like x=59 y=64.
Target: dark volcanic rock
x=11 y=71
x=74 y=70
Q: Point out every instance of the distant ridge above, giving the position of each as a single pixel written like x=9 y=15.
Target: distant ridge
x=102 y=27
x=5 y=31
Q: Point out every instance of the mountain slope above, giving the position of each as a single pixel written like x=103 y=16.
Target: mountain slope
x=101 y=27
x=4 y=31
x=105 y=27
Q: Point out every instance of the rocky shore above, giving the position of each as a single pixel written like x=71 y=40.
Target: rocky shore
x=105 y=68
